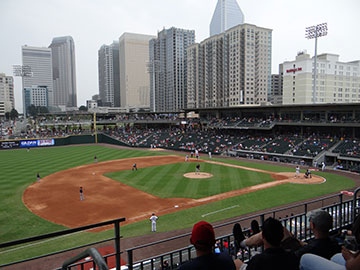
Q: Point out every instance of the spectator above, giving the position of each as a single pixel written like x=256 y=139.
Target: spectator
x=322 y=245
x=203 y=238
x=346 y=260
x=273 y=257
x=238 y=237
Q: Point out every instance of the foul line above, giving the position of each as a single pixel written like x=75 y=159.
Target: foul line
x=208 y=214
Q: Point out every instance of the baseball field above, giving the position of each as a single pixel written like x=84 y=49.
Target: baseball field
x=113 y=190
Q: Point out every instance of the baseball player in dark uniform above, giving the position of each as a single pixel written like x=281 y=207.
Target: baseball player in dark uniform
x=134 y=167
x=81 y=194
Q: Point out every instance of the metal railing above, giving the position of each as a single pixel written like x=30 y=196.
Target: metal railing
x=342 y=211
x=93 y=253
x=297 y=223
x=116 y=238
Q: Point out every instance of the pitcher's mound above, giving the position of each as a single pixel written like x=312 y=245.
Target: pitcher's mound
x=198 y=175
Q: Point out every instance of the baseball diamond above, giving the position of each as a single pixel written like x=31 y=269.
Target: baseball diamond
x=112 y=190
x=110 y=196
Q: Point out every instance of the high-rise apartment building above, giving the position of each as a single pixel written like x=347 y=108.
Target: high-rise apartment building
x=39 y=60
x=336 y=82
x=64 y=72
x=35 y=95
x=6 y=93
x=134 y=75
x=277 y=87
x=230 y=69
x=168 y=69
x=227 y=14
x=109 y=74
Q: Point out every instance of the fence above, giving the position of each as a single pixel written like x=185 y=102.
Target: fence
x=342 y=211
x=116 y=238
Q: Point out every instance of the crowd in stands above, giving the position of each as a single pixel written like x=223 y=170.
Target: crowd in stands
x=349 y=148
x=280 y=249
x=312 y=146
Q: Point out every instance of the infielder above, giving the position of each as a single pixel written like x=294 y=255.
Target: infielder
x=81 y=194
x=38 y=177
x=153 y=220
x=134 y=167
x=197 y=169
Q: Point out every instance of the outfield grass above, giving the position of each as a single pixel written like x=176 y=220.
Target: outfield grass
x=19 y=168
x=167 y=181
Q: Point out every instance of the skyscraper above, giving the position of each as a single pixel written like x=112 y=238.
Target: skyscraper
x=226 y=15
x=168 y=69
x=109 y=74
x=35 y=95
x=64 y=73
x=230 y=69
x=40 y=62
x=6 y=93
x=134 y=76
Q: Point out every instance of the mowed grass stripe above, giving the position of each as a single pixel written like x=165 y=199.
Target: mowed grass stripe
x=19 y=222
x=154 y=179
x=18 y=171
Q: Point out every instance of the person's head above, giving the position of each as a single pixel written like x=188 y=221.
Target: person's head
x=254 y=226
x=320 y=222
x=272 y=232
x=153 y=214
x=203 y=236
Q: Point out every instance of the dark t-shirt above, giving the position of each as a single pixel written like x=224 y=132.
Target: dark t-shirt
x=210 y=262
x=322 y=247
x=274 y=259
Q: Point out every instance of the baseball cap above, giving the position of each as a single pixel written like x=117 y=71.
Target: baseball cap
x=321 y=219
x=203 y=234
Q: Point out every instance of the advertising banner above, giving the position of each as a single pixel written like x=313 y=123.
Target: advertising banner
x=9 y=145
x=32 y=143
x=46 y=142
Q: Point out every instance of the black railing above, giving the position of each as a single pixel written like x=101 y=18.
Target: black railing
x=115 y=223
x=296 y=223
x=343 y=212
x=93 y=253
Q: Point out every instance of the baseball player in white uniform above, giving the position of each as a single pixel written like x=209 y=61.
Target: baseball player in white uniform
x=153 y=220
x=297 y=171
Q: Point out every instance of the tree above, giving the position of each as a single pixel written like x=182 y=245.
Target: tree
x=31 y=110
x=43 y=109
x=35 y=110
x=83 y=108
x=14 y=114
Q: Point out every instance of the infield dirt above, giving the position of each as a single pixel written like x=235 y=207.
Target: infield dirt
x=57 y=199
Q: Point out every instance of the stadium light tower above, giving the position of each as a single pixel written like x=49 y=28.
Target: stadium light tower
x=312 y=32
x=23 y=72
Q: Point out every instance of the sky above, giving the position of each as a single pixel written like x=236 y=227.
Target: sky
x=93 y=23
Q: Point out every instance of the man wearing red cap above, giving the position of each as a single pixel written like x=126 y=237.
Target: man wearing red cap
x=203 y=238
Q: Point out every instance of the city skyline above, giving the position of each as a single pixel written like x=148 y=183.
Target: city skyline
x=92 y=24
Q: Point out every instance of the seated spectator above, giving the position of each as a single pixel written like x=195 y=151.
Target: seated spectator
x=203 y=238
x=348 y=259
x=238 y=237
x=322 y=245
x=274 y=256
